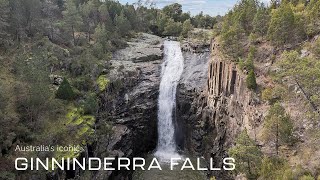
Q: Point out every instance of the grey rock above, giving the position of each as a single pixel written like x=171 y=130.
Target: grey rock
x=143 y=48
x=130 y=100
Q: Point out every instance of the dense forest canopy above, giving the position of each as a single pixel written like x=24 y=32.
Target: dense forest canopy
x=62 y=21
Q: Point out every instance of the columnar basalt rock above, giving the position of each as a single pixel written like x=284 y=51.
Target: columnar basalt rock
x=216 y=109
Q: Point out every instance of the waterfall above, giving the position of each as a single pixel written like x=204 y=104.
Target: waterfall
x=171 y=71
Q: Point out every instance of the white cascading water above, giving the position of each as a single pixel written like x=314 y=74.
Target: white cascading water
x=171 y=71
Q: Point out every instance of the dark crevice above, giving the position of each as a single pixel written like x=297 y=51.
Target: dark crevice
x=233 y=81
x=220 y=78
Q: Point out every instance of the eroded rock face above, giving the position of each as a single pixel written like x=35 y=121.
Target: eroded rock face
x=130 y=102
x=213 y=107
x=144 y=48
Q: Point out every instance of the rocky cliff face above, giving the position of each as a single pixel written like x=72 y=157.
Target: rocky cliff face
x=130 y=102
x=213 y=107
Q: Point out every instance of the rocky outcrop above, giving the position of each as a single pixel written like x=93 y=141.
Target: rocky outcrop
x=195 y=47
x=215 y=109
x=130 y=102
x=144 y=48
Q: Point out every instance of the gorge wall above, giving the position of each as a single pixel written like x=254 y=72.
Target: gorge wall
x=129 y=103
x=213 y=106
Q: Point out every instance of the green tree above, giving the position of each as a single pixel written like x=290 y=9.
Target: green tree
x=248 y=64
x=4 y=21
x=87 y=11
x=105 y=17
x=102 y=38
x=122 y=24
x=273 y=168
x=25 y=18
x=231 y=40
x=130 y=13
x=305 y=72
x=261 y=21
x=172 y=28
x=244 y=14
x=251 y=80
x=72 y=19
x=65 y=91
x=277 y=126
x=185 y=16
x=282 y=25
x=248 y=156
x=174 y=11
x=313 y=18
x=186 y=27
x=196 y=20
x=161 y=22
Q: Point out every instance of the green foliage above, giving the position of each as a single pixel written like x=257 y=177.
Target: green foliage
x=231 y=41
x=65 y=91
x=80 y=126
x=274 y=168
x=90 y=105
x=102 y=37
x=278 y=126
x=305 y=71
x=105 y=17
x=244 y=14
x=307 y=177
x=274 y=94
x=102 y=82
x=282 y=25
x=313 y=18
x=261 y=21
x=172 y=28
x=316 y=48
x=248 y=64
x=251 y=80
x=186 y=28
x=4 y=24
x=122 y=24
x=72 y=19
x=280 y=169
x=173 y=11
x=203 y=21
x=248 y=156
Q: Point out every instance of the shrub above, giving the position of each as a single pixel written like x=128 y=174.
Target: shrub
x=307 y=177
x=65 y=91
x=102 y=82
x=273 y=95
x=83 y=83
x=251 y=80
x=90 y=104
x=316 y=48
x=272 y=167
